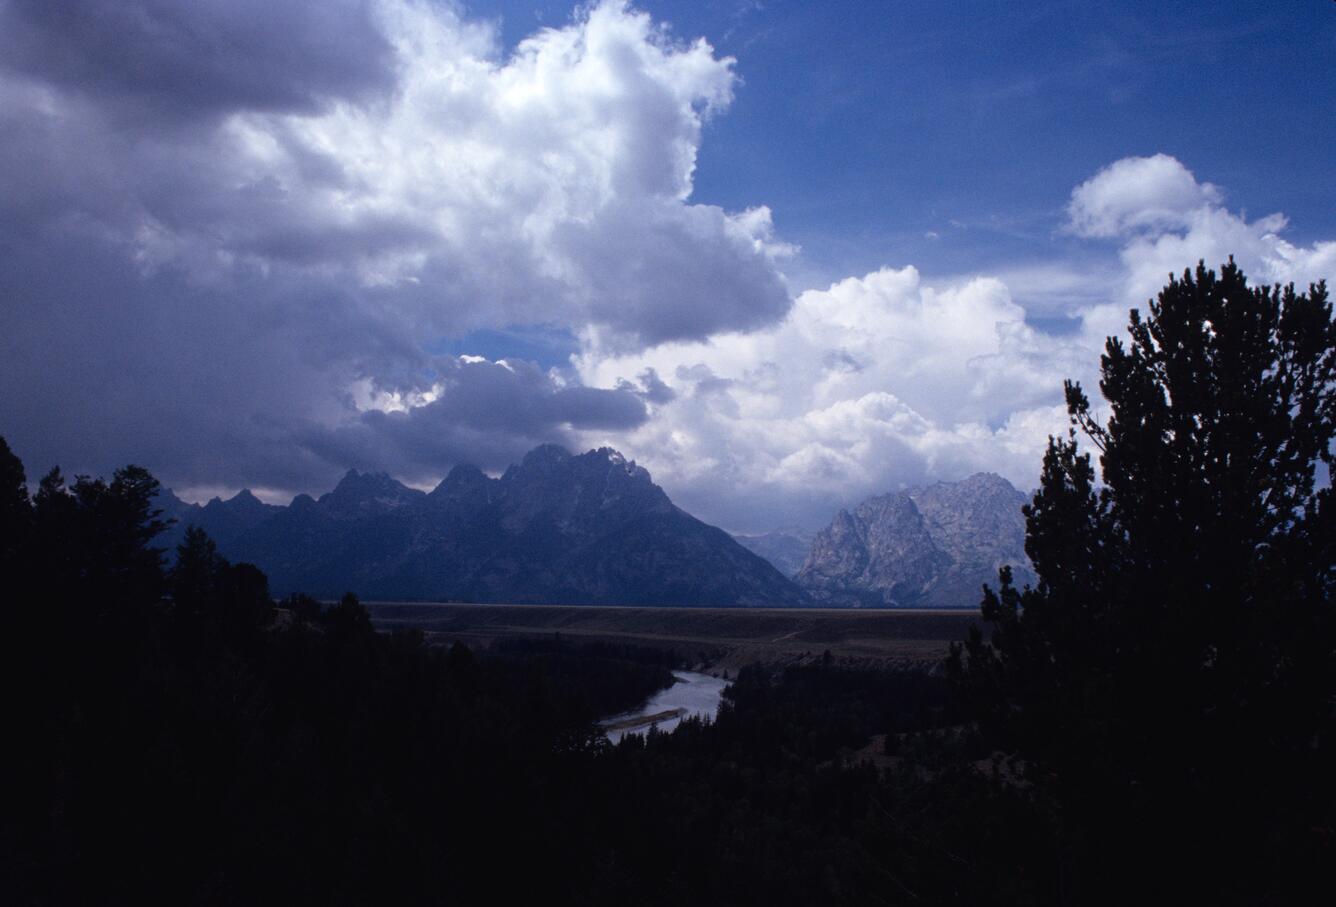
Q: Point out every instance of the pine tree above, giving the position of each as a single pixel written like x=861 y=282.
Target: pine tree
x=1172 y=672
x=15 y=511
x=197 y=574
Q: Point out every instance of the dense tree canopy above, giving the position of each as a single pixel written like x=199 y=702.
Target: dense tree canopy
x=1172 y=673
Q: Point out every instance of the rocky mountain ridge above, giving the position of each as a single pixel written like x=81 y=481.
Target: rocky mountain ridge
x=555 y=528
x=928 y=547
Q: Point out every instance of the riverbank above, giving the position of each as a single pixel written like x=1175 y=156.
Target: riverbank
x=643 y=721
x=693 y=694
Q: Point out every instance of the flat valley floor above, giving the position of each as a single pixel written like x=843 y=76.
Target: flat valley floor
x=715 y=639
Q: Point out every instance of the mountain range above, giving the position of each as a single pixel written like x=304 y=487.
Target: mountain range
x=593 y=528
x=928 y=547
x=556 y=528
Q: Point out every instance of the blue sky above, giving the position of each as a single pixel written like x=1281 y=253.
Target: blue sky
x=785 y=255
x=867 y=126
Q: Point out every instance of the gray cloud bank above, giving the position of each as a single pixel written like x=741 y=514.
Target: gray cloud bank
x=480 y=412
x=231 y=231
x=168 y=59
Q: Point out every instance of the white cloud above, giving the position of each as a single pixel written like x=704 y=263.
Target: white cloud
x=1212 y=235
x=551 y=186
x=874 y=382
x=1156 y=244
x=1135 y=193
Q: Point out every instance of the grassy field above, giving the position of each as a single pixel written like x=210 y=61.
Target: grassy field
x=720 y=639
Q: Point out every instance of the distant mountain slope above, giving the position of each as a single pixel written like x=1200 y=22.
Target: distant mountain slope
x=556 y=528
x=224 y=521
x=926 y=547
x=787 y=549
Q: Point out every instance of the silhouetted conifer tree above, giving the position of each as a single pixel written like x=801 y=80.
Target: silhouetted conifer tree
x=197 y=574
x=348 y=619
x=115 y=525
x=15 y=510
x=1171 y=676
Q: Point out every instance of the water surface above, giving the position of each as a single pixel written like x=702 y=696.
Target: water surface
x=693 y=694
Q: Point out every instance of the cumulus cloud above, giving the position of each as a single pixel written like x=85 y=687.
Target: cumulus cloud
x=1135 y=193
x=1166 y=221
x=867 y=385
x=549 y=186
x=887 y=379
x=221 y=218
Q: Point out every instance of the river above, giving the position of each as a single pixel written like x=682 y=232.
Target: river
x=693 y=694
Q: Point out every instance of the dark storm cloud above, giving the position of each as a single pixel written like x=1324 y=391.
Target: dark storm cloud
x=196 y=57
x=102 y=365
x=488 y=414
x=597 y=408
x=652 y=279
x=220 y=218
x=522 y=397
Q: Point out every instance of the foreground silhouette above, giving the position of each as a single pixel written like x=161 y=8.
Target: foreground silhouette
x=1170 y=679
x=175 y=736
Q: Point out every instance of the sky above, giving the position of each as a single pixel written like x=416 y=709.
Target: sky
x=784 y=255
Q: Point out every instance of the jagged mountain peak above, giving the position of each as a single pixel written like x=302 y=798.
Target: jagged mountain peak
x=611 y=461
x=355 y=479
x=464 y=472
x=613 y=458
x=223 y=520
x=979 y=486
x=243 y=500
x=170 y=502
x=373 y=480
x=929 y=546
x=552 y=464
x=987 y=478
x=548 y=456
x=545 y=454
x=894 y=503
x=461 y=477
x=577 y=491
x=368 y=492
